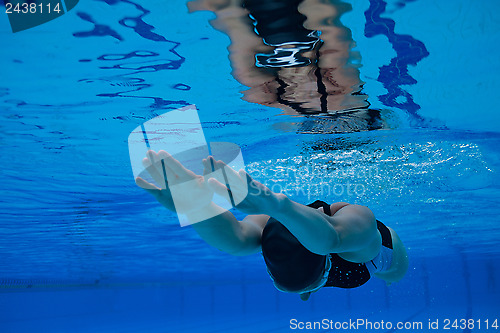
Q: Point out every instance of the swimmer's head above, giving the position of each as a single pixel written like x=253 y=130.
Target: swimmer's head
x=292 y=267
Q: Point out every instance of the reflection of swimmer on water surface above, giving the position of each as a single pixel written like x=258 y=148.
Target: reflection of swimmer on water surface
x=305 y=248
x=296 y=56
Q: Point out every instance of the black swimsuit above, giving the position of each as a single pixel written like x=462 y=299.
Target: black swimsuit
x=347 y=274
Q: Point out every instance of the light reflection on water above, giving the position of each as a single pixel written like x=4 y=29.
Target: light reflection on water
x=297 y=56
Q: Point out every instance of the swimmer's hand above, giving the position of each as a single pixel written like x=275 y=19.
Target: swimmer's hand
x=181 y=190
x=249 y=195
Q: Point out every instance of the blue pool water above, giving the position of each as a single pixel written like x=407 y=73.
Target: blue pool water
x=83 y=249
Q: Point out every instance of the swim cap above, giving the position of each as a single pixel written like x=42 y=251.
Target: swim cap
x=290 y=264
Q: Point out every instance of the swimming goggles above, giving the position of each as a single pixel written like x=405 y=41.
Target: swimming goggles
x=311 y=288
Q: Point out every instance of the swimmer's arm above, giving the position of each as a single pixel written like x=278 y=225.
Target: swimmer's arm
x=309 y=225
x=323 y=234
x=318 y=232
x=226 y=233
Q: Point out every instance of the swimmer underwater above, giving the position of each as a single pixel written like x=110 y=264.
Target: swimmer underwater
x=305 y=248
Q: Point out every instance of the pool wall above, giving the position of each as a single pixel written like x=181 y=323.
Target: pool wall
x=434 y=289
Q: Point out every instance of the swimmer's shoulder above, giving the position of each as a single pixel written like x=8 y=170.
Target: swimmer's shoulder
x=258 y=220
x=343 y=208
x=336 y=206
